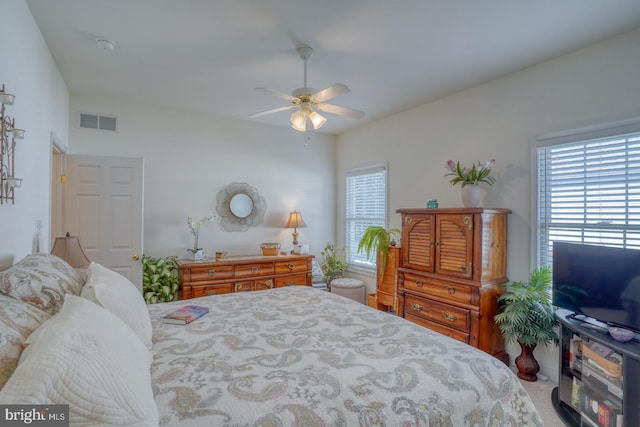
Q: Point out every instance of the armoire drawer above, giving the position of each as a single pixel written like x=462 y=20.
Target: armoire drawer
x=444 y=314
x=452 y=333
x=439 y=288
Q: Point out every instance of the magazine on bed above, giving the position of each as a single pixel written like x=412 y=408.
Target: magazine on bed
x=186 y=314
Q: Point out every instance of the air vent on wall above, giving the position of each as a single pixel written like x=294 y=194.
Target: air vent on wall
x=94 y=121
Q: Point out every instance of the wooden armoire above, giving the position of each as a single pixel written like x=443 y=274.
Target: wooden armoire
x=453 y=262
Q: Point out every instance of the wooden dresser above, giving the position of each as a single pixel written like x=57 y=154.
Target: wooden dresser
x=453 y=261
x=242 y=274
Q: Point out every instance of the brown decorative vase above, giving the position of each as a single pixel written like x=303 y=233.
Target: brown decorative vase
x=527 y=364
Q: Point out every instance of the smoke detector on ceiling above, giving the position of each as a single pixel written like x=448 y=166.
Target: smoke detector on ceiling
x=105 y=44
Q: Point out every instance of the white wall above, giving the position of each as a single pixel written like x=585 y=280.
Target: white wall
x=497 y=120
x=189 y=158
x=41 y=107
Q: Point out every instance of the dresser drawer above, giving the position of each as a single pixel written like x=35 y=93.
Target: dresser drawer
x=243 y=286
x=254 y=269
x=261 y=285
x=439 y=288
x=203 y=291
x=298 y=279
x=210 y=272
x=253 y=285
x=291 y=266
x=452 y=333
x=444 y=314
x=386 y=298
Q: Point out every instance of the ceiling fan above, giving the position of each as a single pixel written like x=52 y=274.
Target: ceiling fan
x=308 y=102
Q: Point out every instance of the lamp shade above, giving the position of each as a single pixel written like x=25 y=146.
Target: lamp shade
x=317 y=120
x=299 y=120
x=69 y=249
x=295 y=220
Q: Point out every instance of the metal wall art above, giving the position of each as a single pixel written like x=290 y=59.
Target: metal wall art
x=240 y=206
x=8 y=136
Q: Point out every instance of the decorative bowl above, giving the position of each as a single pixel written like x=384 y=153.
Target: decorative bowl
x=620 y=334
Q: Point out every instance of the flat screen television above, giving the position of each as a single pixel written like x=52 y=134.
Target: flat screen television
x=600 y=282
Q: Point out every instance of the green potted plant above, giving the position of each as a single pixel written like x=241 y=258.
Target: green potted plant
x=377 y=239
x=527 y=316
x=160 y=281
x=333 y=262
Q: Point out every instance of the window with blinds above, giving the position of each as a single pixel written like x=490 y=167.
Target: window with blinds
x=366 y=204
x=589 y=192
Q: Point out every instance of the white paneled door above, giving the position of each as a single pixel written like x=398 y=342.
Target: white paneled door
x=104 y=207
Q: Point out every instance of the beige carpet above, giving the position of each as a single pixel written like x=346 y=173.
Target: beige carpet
x=540 y=392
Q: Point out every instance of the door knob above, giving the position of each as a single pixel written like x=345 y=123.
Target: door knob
x=135 y=257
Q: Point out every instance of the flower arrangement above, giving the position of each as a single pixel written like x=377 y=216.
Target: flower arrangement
x=194 y=227
x=478 y=172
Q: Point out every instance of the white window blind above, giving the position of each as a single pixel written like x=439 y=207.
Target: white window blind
x=366 y=204
x=589 y=192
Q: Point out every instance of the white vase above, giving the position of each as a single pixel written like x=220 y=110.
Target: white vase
x=470 y=196
x=195 y=255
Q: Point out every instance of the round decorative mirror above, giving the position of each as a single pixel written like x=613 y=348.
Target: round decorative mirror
x=240 y=206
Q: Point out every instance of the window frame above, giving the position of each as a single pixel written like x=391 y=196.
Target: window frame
x=592 y=133
x=366 y=267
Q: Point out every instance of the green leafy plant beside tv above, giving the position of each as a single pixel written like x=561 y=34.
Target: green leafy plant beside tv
x=333 y=262
x=160 y=281
x=527 y=316
x=377 y=239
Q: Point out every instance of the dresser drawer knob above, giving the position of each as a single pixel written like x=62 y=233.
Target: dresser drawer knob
x=255 y=269
x=211 y=292
x=450 y=317
x=212 y=272
x=416 y=307
x=451 y=290
x=419 y=283
x=292 y=266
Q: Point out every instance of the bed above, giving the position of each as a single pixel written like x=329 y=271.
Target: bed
x=292 y=356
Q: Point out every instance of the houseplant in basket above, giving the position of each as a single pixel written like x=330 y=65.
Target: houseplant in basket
x=377 y=239
x=527 y=316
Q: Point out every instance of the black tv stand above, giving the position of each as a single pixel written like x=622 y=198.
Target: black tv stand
x=618 y=392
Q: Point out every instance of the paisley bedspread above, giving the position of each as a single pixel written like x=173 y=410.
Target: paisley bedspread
x=297 y=356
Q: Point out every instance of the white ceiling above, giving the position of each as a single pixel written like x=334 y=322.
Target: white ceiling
x=209 y=56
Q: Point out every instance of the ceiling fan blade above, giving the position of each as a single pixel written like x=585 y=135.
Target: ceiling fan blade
x=341 y=111
x=276 y=93
x=330 y=92
x=272 y=110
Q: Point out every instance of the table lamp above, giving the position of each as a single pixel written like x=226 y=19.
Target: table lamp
x=69 y=249
x=295 y=222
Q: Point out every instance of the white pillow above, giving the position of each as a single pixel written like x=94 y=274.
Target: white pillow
x=117 y=294
x=89 y=359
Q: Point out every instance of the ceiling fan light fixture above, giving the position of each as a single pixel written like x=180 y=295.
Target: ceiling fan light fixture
x=299 y=120
x=317 y=120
